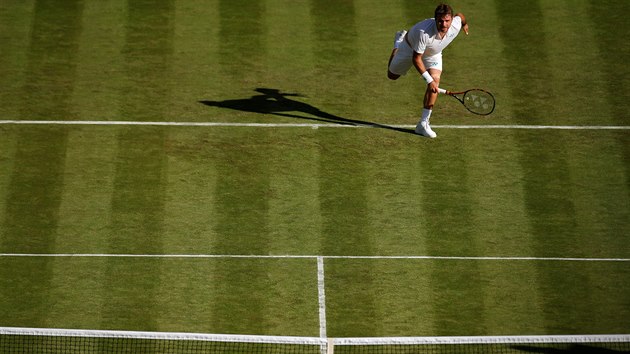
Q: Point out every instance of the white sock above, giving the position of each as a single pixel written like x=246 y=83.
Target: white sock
x=426 y=114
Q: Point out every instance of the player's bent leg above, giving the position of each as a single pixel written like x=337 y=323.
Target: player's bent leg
x=400 y=59
x=399 y=37
x=390 y=74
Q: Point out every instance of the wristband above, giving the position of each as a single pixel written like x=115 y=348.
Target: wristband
x=427 y=77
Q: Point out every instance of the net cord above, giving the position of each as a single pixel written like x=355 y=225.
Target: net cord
x=603 y=338
x=324 y=342
x=231 y=338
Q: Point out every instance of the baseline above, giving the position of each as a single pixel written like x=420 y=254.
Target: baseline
x=305 y=125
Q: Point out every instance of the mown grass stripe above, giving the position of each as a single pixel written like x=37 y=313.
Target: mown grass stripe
x=8 y=148
x=342 y=174
x=497 y=205
x=138 y=201
x=449 y=202
x=195 y=56
x=294 y=213
x=335 y=40
x=241 y=203
x=84 y=216
x=85 y=210
x=15 y=26
x=344 y=179
x=614 y=67
x=35 y=186
x=99 y=61
x=580 y=50
x=190 y=191
x=242 y=29
x=241 y=194
x=550 y=201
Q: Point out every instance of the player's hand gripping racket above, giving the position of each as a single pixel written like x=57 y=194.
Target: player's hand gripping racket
x=477 y=101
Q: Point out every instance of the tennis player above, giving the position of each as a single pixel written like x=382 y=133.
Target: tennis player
x=422 y=47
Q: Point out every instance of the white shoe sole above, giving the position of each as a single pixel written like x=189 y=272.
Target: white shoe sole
x=421 y=130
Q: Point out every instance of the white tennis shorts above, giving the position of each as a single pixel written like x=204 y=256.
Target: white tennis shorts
x=403 y=60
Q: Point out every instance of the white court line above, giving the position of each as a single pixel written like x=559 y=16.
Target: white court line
x=307 y=125
x=321 y=291
x=466 y=258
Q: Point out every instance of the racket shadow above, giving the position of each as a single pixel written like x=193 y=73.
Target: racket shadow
x=275 y=102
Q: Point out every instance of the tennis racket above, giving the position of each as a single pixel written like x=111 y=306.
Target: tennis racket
x=477 y=101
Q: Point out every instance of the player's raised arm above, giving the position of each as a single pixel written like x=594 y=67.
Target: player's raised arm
x=464 y=23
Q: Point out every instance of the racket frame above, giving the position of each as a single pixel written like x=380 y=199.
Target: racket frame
x=457 y=94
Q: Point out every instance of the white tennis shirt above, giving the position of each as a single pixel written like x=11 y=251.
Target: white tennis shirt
x=424 y=39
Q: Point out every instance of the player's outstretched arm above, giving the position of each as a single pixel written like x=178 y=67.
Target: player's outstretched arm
x=464 y=23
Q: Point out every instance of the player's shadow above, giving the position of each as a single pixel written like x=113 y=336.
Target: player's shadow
x=272 y=101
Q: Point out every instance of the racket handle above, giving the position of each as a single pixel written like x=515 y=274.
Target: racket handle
x=441 y=90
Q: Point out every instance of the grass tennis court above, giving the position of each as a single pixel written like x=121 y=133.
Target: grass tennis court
x=499 y=230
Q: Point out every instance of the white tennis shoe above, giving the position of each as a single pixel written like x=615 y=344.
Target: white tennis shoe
x=423 y=128
x=399 y=38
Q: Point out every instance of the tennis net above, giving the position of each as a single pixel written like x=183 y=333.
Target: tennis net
x=45 y=341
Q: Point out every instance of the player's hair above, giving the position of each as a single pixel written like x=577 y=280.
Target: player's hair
x=443 y=9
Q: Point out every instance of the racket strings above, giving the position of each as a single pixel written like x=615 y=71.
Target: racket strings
x=479 y=102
